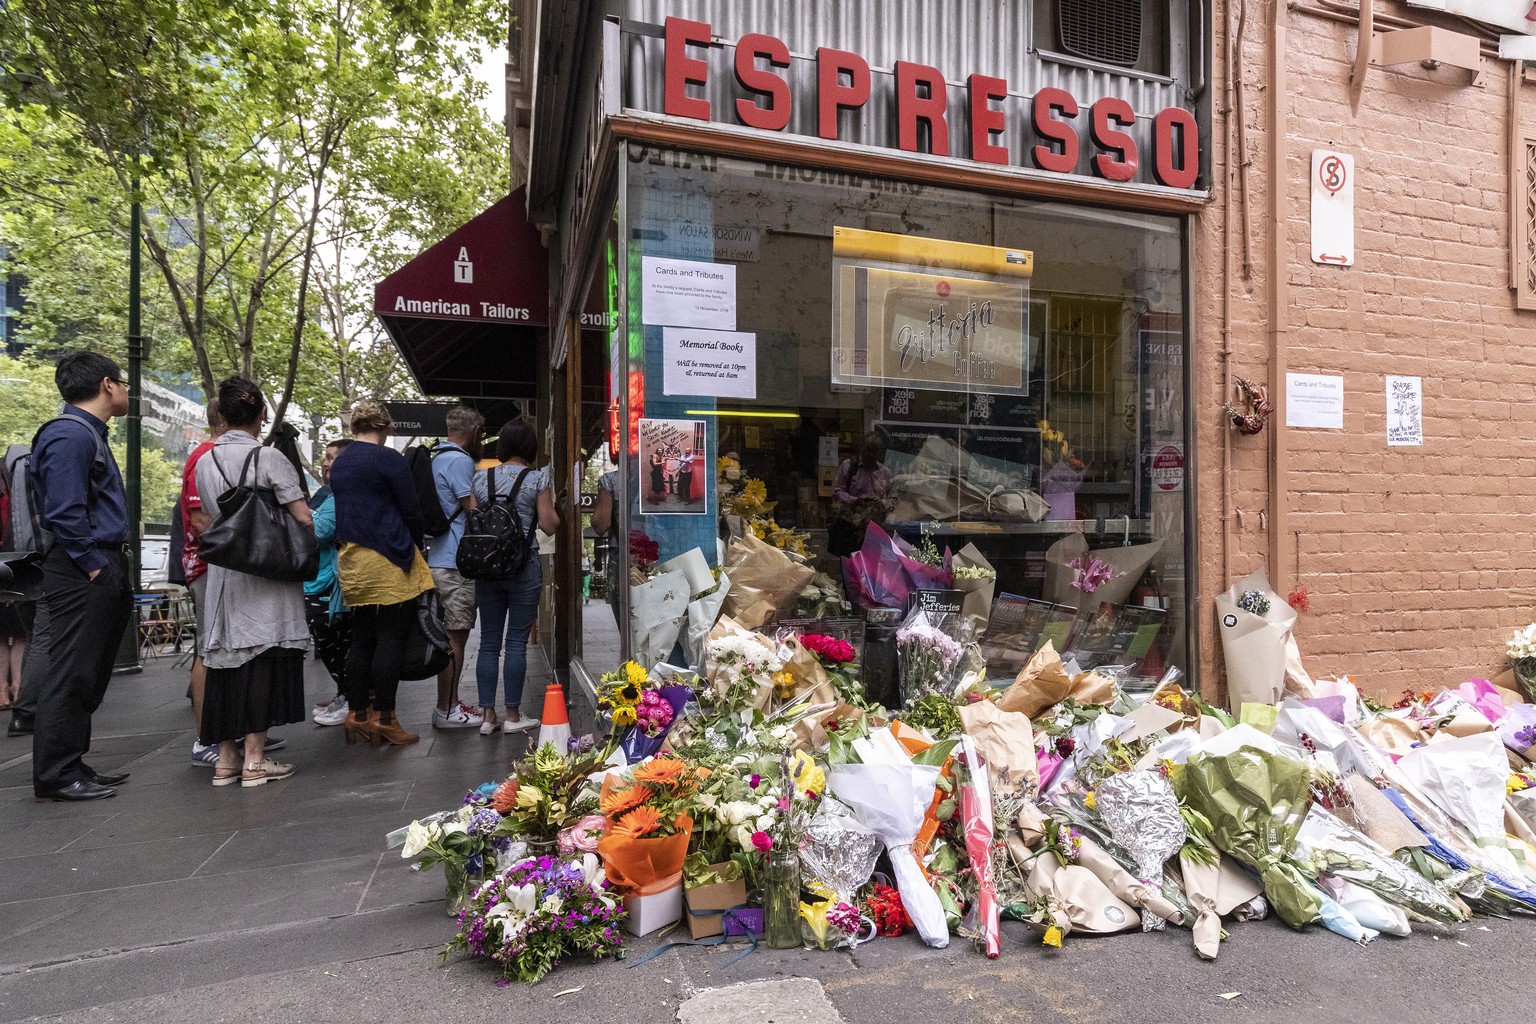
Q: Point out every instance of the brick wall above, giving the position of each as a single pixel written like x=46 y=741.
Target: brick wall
x=1419 y=561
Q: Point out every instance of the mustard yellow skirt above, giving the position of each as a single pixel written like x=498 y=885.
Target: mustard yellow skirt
x=367 y=577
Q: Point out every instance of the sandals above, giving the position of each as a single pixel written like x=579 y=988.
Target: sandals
x=262 y=772
x=226 y=776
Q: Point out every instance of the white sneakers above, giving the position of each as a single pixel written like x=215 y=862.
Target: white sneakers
x=333 y=713
x=491 y=726
x=461 y=717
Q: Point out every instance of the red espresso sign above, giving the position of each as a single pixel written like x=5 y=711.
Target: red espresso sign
x=1062 y=129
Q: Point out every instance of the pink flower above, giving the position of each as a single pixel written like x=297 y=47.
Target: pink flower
x=762 y=841
x=755 y=781
x=828 y=648
x=582 y=837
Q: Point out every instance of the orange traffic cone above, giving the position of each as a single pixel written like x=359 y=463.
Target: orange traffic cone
x=555 y=725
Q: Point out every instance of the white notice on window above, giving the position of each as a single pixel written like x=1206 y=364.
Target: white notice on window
x=1314 y=400
x=722 y=364
x=1405 y=411
x=685 y=293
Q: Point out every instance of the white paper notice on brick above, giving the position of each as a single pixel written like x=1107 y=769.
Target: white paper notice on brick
x=1405 y=411
x=1333 y=208
x=722 y=364
x=1314 y=400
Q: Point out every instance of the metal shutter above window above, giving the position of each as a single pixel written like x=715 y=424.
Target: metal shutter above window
x=1107 y=31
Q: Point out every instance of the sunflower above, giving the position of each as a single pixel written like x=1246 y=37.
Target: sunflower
x=505 y=797
x=634 y=674
x=660 y=771
x=625 y=716
x=629 y=693
x=641 y=821
x=620 y=800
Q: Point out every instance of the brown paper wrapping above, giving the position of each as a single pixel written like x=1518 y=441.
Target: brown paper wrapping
x=764 y=581
x=1043 y=681
x=1202 y=883
x=1393 y=735
x=1120 y=882
x=1130 y=562
x=977 y=603
x=1006 y=742
x=1088 y=902
x=810 y=733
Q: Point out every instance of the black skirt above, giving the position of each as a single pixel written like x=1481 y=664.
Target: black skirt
x=268 y=690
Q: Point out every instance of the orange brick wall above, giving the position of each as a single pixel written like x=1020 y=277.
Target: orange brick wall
x=1419 y=561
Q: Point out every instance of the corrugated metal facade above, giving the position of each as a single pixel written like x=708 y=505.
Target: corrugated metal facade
x=958 y=38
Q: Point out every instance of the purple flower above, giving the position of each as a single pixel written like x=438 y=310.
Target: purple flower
x=755 y=781
x=1092 y=572
x=1526 y=737
x=484 y=822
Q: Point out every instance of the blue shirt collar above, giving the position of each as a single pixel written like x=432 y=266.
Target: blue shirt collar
x=75 y=410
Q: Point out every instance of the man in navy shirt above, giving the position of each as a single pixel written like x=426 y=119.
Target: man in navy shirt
x=87 y=598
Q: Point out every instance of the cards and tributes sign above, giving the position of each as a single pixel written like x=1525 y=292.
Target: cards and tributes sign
x=675 y=472
x=688 y=293
x=929 y=314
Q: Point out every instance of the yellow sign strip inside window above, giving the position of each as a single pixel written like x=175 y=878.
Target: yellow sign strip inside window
x=938 y=254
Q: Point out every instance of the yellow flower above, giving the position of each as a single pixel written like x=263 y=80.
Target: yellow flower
x=808 y=776
x=528 y=797
x=754 y=490
x=624 y=716
x=1515 y=783
x=635 y=674
x=1052 y=937
x=784 y=684
x=1091 y=800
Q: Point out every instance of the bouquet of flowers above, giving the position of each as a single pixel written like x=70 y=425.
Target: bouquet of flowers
x=1521 y=649
x=544 y=795
x=927 y=656
x=649 y=824
x=538 y=913
x=641 y=713
x=743 y=665
x=837 y=658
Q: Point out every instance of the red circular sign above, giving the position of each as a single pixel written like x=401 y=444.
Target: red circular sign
x=1332 y=174
x=943 y=289
x=1168 y=468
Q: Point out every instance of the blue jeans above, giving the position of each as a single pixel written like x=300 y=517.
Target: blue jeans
x=507 y=609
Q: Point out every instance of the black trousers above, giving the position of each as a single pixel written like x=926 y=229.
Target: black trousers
x=34 y=663
x=82 y=622
x=379 y=632
x=333 y=637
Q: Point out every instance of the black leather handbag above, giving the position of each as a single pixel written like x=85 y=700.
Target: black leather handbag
x=256 y=535
x=21 y=575
x=426 y=646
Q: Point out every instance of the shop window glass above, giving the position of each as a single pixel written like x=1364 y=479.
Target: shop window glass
x=1010 y=372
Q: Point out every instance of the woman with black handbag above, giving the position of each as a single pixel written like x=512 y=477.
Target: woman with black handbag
x=379 y=532
x=255 y=633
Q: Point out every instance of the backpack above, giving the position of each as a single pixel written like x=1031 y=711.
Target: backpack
x=418 y=459
x=22 y=526
x=495 y=546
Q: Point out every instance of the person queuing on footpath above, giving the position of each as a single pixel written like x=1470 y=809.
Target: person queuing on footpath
x=193 y=522
x=508 y=607
x=379 y=530
x=453 y=477
x=87 y=596
x=330 y=620
x=256 y=636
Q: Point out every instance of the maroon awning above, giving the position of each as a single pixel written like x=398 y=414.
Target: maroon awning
x=470 y=313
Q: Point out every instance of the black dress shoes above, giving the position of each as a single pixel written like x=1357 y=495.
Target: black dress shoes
x=21 y=725
x=81 y=790
x=109 y=780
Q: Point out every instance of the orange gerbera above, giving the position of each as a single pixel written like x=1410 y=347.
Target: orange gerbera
x=505 y=797
x=641 y=821
x=618 y=801
x=660 y=771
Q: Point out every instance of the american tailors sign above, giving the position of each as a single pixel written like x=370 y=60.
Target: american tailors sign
x=1049 y=131
x=930 y=314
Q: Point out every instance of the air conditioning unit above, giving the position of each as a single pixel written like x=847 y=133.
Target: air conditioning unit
x=1129 y=34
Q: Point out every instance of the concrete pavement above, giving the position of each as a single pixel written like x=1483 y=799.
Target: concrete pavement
x=177 y=902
